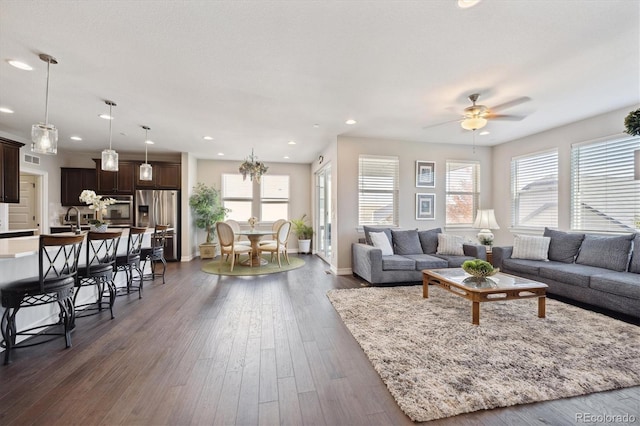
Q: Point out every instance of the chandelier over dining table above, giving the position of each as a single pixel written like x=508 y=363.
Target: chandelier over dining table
x=253 y=168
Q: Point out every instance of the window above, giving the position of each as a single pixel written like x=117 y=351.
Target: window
x=271 y=205
x=534 y=190
x=378 y=190
x=463 y=192
x=604 y=194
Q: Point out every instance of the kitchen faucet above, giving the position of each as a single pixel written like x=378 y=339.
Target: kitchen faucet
x=66 y=216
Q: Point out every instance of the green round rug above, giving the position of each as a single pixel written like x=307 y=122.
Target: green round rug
x=240 y=270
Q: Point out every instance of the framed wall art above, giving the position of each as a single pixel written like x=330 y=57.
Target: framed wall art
x=425 y=206
x=425 y=174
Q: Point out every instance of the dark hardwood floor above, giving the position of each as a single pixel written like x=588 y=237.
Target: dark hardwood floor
x=204 y=349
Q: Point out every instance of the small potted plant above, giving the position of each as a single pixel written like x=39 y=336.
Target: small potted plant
x=304 y=231
x=207 y=209
x=99 y=204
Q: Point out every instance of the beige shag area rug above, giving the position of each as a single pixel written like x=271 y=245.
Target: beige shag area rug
x=437 y=364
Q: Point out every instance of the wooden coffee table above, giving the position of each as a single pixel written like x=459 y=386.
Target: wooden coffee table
x=497 y=287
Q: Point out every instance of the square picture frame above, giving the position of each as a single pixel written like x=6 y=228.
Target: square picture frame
x=425 y=206
x=425 y=174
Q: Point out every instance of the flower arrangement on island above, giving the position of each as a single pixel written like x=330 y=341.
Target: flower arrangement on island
x=97 y=203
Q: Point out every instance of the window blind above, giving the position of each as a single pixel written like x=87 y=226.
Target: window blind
x=237 y=195
x=378 y=190
x=463 y=192
x=274 y=197
x=534 y=190
x=604 y=195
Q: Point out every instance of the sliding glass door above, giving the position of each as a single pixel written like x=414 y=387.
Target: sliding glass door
x=323 y=213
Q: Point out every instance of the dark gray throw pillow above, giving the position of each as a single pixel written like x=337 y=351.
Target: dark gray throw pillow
x=606 y=252
x=564 y=246
x=429 y=240
x=634 y=266
x=406 y=242
x=368 y=229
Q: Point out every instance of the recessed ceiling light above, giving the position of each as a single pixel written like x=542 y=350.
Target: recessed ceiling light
x=207 y=138
x=292 y=142
x=20 y=65
x=465 y=4
x=221 y=154
x=106 y=116
x=149 y=142
x=315 y=126
x=484 y=132
x=286 y=157
x=6 y=110
x=351 y=121
x=75 y=138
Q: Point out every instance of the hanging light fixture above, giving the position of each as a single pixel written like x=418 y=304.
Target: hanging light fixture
x=253 y=168
x=109 y=156
x=44 y=136
x=146 y=172
x=473 y=123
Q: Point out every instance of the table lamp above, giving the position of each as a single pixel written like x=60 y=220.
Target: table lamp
x=486 y=221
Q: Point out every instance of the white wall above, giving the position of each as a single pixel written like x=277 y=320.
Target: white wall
x=348 y=152
x=609 y=124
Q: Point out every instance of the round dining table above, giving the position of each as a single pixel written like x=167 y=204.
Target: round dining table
x=254 y=236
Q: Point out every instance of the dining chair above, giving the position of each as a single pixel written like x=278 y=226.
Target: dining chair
x=236 y=228
x=280 y=245
x=274 y=236
x=229 y=245
x=57 y=268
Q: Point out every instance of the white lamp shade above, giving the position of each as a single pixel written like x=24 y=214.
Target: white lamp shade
x=473 y=123
x=44 y=138
x=486 y=219
x=146 y=172
x=110 y=160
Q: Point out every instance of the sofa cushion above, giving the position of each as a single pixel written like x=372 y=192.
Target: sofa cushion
x=424 y=261
x=451 y=245
x=625 y=284
x=454 y=261
x=563 y=246
x=606 y=252
x=406 y=242
x=634 y=266
x=569 y=273
x=380 y=240
x=369 y=229
x=429 y=240
x=524 y=266
x=397 y=263
x=530 y=247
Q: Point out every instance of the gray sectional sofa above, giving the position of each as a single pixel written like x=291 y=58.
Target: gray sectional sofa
x=602 y=271
x=413 y=251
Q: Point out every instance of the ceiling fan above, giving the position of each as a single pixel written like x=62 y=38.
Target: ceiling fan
x=476 y=116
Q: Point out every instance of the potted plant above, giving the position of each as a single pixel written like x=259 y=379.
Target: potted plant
x=304 y=231
x=632 y=123
x=207 y=209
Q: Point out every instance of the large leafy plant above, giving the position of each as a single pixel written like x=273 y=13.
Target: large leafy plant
x=303 y=230
x=632 y=123
x=207 y=209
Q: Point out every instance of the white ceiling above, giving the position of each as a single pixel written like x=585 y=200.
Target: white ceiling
x=257 y=74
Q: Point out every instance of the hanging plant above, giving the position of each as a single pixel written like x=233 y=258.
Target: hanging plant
x=632 y=123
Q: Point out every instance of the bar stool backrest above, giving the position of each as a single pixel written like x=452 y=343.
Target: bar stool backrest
x=102 y=249
x=58 y=256
x=134 y=242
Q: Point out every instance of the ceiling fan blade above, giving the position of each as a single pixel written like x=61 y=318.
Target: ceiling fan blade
x=442 y=123
x=506 y=117
x=511 y=103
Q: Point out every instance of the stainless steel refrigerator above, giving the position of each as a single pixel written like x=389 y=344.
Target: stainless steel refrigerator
x=160 y=207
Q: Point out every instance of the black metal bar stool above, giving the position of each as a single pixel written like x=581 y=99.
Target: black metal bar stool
x=58 y=263
x=155 y=253
x=102 y=249
x=131 y=261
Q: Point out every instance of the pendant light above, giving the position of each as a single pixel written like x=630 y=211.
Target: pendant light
x=109 y=156
x=146 y=172
x=44 y=136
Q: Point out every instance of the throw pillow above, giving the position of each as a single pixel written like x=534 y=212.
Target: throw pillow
x=530 y=247
x=429 y=240
x=606 y=252
x=369 y=229
x=380 y=240
x=564 y=246
x=450 y=245
x=406 y=242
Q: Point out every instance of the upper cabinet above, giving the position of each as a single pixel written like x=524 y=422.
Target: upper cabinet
x=73 y=181
x=120 y=182
x=10 y=171
x=165 y=176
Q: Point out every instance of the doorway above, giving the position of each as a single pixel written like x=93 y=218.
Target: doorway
x=27 y=214
x=323 y=213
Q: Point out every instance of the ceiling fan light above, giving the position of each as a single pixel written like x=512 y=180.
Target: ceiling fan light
x=473 y=123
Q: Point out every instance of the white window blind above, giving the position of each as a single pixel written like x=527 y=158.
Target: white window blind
x=274 y=197
x=463 y=192
x=534 y=190
x=378 y=190
x=604 y=195
x=237 y=195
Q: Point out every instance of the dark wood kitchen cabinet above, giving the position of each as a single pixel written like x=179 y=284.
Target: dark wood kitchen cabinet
x=73 y=181
x=120 y=182
x=164 y=176
x=10 y=171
